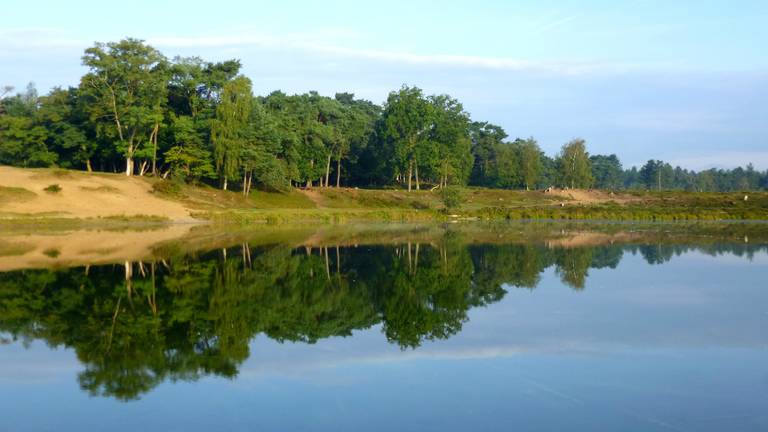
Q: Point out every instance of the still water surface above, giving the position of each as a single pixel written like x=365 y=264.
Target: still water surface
x=416 y=334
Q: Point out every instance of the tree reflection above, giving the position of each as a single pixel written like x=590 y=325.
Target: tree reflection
x=138 y=324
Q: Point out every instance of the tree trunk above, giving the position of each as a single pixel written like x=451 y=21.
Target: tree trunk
x=128 y=166
x=416 y=169
x=338 y=172
x=410 y=174
x=153 y=137
x=224 y=186
x=328 y=170
x=88 y=165
x=309 y=179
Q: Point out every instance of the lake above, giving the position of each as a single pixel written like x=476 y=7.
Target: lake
x=529 y=326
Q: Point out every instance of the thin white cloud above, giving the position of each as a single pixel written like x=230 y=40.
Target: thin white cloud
x=551 y=25
x=336 y=44
x=308 y=44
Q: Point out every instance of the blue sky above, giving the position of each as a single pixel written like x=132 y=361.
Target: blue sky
x=685 y=81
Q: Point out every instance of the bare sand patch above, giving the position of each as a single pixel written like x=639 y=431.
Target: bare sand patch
x=584 y=196
x=84 y=195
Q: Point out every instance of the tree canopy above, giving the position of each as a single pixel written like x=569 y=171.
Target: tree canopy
x=137 y=112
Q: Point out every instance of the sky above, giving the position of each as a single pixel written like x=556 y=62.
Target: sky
x=683 y=81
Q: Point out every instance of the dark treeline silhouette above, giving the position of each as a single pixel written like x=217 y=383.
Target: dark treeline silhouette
x=138 y=112
x=137 y=324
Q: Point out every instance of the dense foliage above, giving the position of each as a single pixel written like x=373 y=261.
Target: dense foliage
x=138 y=112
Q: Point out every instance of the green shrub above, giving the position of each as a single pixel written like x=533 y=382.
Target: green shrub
x=167 y=187
x=52 y=253
x=452 y=197
x=54 y=188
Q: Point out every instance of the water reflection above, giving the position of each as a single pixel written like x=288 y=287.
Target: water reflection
x=137 y=324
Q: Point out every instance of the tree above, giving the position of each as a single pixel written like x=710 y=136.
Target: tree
x=356 y=128
x=574 y=166
x=22 y=143
x=188 y=159
x=530 y=162
x=60 y=114
x=448 y=146
x=504 y=170
x=406 y=121
x=126 y=88
x=656 y=174
x=228 y=129
x=606 y=171
x=485 y=139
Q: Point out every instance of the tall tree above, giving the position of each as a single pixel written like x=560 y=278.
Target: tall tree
x=229 y=128
x=574 y=166
x=406 y=121
x=126 y=85
x=485 y=139
x=530 y=162
x=607 y=171
x=449 y=143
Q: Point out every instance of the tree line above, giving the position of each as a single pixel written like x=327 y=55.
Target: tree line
x=136 y=111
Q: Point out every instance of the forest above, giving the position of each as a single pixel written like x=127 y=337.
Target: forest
x=189 y=120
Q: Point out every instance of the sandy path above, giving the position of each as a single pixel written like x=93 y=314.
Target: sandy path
x=85 y=195
x=581 y=196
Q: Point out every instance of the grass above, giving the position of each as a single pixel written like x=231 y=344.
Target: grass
x=8 y=249
x=649 y=206
x=15 y=194
x=340 y=205
x=102 y=188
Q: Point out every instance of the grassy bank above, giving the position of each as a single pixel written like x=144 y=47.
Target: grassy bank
x=349 y=205
x=113 y=201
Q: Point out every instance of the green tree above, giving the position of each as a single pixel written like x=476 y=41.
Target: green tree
x=126 y=91
x=406 y=121
x=188 y=159
x=486 y=138
x=448 y=144
x=574 y=166
x=606 y=171
x=229 y=128
x=530 y=162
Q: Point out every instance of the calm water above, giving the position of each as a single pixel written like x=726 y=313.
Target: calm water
x=413 y=334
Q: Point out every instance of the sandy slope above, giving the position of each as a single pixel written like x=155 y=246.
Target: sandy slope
x=83 y=195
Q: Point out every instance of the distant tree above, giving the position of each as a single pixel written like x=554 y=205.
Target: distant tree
x=574 y=166
x=530 y=162
x=485 y=138
x=656 y=174
x=505 y=169
x=448 y=141
x=606 y=171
